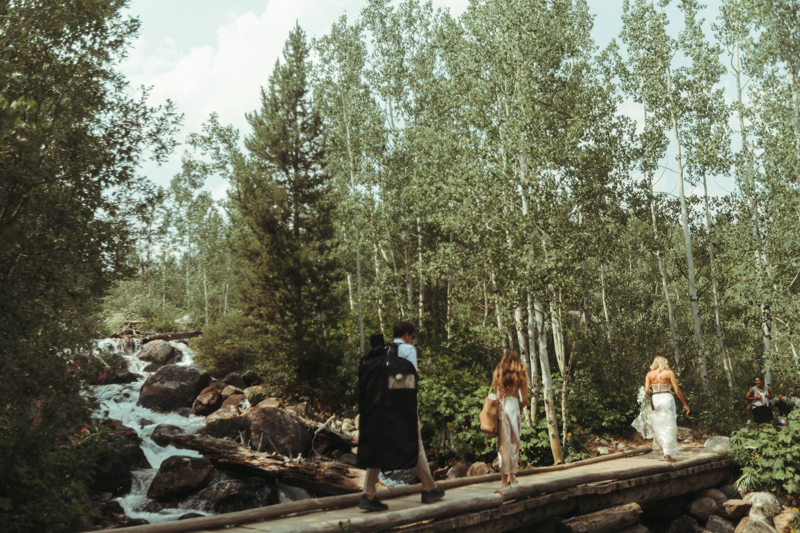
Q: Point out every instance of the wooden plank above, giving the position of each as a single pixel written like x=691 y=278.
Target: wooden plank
x=559 y=482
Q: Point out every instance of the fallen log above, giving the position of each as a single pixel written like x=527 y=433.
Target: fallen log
x=172 y=336
x=605 y=521
x=326 y=478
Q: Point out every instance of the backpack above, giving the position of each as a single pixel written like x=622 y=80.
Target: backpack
x=387 y=404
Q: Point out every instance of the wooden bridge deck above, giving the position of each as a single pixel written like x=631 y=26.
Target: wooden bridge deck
x=477 y=505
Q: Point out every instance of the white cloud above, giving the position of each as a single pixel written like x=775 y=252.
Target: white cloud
x=225 y=73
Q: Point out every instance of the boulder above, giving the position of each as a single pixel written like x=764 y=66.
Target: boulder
x=458 y=470
x=404 y=477
x=479 y=469
x=717 y=444
x=236 y=380
x=684 y=524
x=602 y=450
x=357 y=421
x=172 y=387
x=717 y=524
x=227 y=493
x=783 y=522
x=228 y=411
x=715 y=494
x=256 y=394
x=185 y=412
x=123 y=378
x=209 y=399
x=701 y=509
x=735 y=509
x=239 y=401
x=152 y=367
x=287 y=493
x=670 y=507
x=187 y=516
x=160 y=353
x=731 y=492
x=685 y=433
x=275 y=430
x=229 y=391
x=304 y=410
x=114 y=469
x=179 y=475
x=748 y=525
x=163 y=433
x=251 y=378
x=226 y=427
x=764 y=507
x=622 y=446
x=496 y=464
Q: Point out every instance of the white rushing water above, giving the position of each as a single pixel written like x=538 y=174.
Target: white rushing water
x=119 y=403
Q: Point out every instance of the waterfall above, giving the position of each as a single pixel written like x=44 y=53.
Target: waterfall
x=119 y=403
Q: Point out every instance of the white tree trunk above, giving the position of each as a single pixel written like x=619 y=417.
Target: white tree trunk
x=523 y=348
x=665 y=284
x=605 y=305
x=449 y=319
x=350 y=292
x=547 y=382
x=498 y=313
x=726 y=362
x=687 y=242
x=534 y=363
x=558 y=334
x=379 y=286
x=766 y=333
x=409 y=280
x=358 y=276
x=421 y=276
x=205 y=295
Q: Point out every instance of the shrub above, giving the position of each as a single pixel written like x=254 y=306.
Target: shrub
x=769 y=456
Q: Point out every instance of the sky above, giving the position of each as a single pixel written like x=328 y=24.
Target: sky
x=214 y=56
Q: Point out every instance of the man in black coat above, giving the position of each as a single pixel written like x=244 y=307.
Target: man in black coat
x=404 y=333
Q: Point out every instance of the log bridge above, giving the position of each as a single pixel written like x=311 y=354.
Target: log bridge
x=476 y=505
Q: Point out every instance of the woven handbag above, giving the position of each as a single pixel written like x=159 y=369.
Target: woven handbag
x=489 y=416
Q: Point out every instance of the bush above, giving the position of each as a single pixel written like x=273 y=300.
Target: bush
x=769 y=456
x=227 y=345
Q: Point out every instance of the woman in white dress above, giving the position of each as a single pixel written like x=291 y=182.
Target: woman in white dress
x=658 y=384
x=510 y=380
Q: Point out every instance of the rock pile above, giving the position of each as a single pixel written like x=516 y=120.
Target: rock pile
x=712 y=510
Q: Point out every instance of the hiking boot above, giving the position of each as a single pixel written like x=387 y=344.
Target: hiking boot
x=430 y=496
x=373 y=504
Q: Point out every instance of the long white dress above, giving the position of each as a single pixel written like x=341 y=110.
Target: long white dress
x=509 y=434
x=664 y=419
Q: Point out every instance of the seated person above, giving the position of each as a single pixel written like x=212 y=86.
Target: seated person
x=783 y=407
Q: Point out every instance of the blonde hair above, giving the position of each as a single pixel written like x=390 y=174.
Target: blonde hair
x=511 y=371
x=659 y=363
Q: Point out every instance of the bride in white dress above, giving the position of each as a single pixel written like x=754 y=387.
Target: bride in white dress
x=663 y=419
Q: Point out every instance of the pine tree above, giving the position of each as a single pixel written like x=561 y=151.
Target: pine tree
x=283 y=196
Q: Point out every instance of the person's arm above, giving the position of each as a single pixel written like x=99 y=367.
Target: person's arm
x=769 y=393
x=751 y=395
x=647 y=384
x=674 y=382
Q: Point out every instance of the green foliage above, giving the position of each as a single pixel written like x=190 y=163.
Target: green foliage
x=228 y=345
x=769 y=456
x=71 y=138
